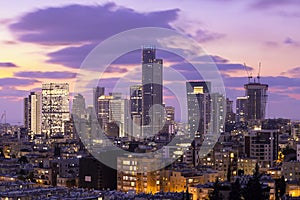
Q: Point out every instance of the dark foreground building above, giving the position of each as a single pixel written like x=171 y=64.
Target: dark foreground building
x=95 y=175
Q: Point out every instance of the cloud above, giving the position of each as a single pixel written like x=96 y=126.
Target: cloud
x=7 y=64
x=79 y=23
x=12 y=93
x=263 y=4
x=12 y=82
x=73 y=56
x=46 y=75
x=205 y=36
x=271 y=44
x=190 y=73
x=294 y=72
x=290 y=41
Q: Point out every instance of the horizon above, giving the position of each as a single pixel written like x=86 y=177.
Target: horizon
x=35 y=53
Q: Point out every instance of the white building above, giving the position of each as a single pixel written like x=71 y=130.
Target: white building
x=120 y=114
x=32 y=113
x=55 y=108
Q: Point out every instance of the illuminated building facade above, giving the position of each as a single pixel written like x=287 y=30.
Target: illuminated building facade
x=32 y=113
x=55 y=108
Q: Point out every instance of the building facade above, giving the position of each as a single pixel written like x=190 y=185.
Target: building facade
x=257 y=100
x=199 y=107
x=33 y=113
x=55 y=108
x=152 y=92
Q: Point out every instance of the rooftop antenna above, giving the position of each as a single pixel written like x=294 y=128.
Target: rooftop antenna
x=258 y=75
x=249 y=75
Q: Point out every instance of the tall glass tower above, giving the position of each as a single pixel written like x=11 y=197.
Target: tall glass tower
x=199 y=107
x=152 y=91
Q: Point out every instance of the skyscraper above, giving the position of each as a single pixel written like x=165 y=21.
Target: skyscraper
x=97 y=92
x=152 y=91
x=78 y=106
x=241 y=109
x=257 y=100
x=198 y=100
x=55 y=108
x=32 y=113
x=136 y=96
x=119 y=114
x=218 y=104
x=136 y=100
x=103 y=111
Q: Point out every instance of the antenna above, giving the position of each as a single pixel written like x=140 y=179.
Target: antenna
x=258 y=75
x=249 y=75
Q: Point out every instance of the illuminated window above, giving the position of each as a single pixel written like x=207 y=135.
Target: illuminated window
x=198 y=90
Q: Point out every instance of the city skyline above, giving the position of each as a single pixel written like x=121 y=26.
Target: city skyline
x=34 y=54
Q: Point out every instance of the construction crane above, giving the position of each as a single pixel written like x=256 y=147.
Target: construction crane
x=3 y=116
x=258 y=75
x=249 y=75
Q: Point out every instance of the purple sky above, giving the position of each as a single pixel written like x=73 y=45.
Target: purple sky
x=47 y=42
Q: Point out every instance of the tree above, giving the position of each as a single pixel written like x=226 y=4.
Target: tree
x=235 y=193
x=23 y=160
x=30 y=176
x=57 y=151
x=282 y=186
x=187 y=197
x=215 y=194
x=1 y=153
x=229 y=173
x=253 y=188
x=71 y=183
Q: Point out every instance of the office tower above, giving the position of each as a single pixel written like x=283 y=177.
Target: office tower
x=170 y=114
x=199 y=110
x=136 y=96
x=257 y=100
x=263 y=145
x=97 y=92
x=152 y=94
x=55 y=108
x=32 y=113
x=169 y=126
x=103 y=111
x=119 y=114
x=230 y=115
x=218 y=104
x=78 y=106
x=241 y=109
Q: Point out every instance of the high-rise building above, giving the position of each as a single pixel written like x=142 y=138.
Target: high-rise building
x=257 y=100
x=119 y=114
x=199 y=109
x=136 y=96
x=230 y=115
x=169 y=126
x=263 y=145
x=78 y=106
x=97 y=92
x=55 y=108
x=33 y=113
x=218 y=104
x=103 y=111
x=241 y=109
x=152 y=91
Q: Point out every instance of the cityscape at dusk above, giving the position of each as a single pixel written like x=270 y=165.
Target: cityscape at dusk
x=194 y=100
